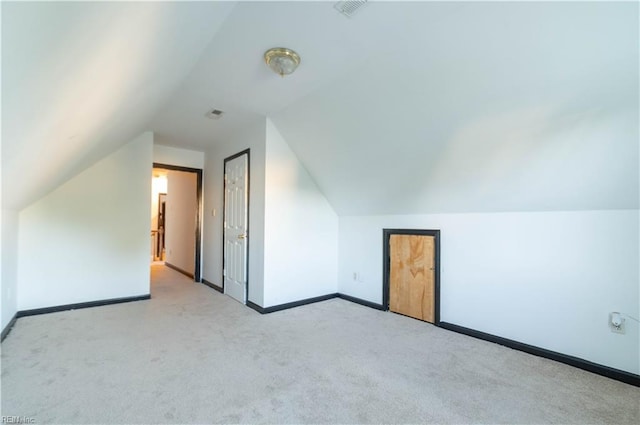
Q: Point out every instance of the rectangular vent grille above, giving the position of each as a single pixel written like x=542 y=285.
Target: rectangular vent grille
x=214 y=114
x=349 y=7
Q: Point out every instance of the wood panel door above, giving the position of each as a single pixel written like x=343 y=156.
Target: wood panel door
x=412 y=266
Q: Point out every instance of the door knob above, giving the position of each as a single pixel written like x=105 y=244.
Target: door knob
x=243 y=236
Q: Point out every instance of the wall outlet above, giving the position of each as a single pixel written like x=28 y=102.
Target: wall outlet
x=616 y=323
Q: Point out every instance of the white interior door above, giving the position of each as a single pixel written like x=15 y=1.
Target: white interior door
x=235 y=227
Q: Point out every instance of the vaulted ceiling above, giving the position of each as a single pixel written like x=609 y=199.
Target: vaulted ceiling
x=404 y=108
x=79 y=79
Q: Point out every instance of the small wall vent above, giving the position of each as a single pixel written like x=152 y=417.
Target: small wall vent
x=214 y=114
x=349 y=7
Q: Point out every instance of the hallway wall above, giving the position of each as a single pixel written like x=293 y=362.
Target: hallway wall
x=175 y=156
x=181 y=219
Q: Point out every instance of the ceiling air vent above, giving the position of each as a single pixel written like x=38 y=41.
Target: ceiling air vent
x=214 y=114
x=349 y=7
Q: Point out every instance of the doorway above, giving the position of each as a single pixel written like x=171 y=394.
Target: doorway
x=412 y=273
x=159 y=254
x=178 y=219
x=235 y=248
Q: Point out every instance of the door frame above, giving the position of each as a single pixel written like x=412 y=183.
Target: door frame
x=197 y=274
x=386 y=265
x=224 y=209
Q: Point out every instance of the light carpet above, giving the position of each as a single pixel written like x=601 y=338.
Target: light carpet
x=192 y=355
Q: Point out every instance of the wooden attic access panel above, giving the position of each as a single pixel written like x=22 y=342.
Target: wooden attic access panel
x=412 y=273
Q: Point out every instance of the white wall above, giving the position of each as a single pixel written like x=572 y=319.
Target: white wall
x=89 y=239
x=181 y=219
x=548 y=279
x=9 y=276
x=292 y=228
x=301 y=229
x=176 y=156
x=250 y=137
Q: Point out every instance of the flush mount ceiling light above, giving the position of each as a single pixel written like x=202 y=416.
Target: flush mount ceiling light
x=282 y=60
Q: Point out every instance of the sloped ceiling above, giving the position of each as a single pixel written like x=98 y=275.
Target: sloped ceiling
x=404 y=108
x=80 y=79
x=471 y=107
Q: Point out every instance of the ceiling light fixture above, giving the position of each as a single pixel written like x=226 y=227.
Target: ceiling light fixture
x=282 y=60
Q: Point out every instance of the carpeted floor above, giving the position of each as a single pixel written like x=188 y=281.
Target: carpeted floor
x=192 y=355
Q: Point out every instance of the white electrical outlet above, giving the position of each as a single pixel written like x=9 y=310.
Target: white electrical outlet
x=616 y=323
